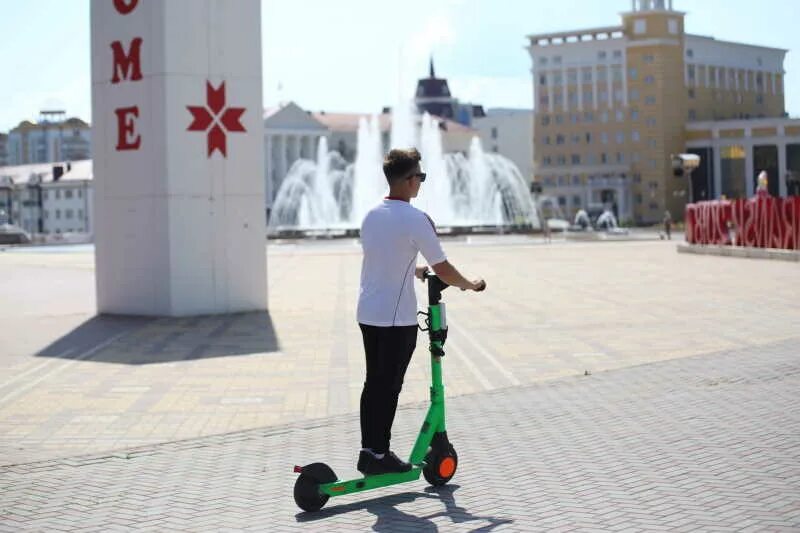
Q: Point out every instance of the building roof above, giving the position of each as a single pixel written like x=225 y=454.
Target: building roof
x=22 y=174
x=348 y=122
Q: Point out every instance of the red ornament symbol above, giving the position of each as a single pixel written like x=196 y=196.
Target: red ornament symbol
x=216 y=117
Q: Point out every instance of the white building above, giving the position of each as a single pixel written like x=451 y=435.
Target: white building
x=52 y=138
x=48 y=199
x=509 y=132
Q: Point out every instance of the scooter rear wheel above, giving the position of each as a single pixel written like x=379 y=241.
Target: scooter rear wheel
x=440 y=466
x=307 y=495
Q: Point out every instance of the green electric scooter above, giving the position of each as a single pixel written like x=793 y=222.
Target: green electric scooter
x=433 y=456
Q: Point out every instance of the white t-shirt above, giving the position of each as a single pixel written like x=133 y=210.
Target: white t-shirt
x=392 y=234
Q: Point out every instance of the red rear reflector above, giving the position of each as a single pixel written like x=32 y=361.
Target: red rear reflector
x=340 y=488
x=298 y=469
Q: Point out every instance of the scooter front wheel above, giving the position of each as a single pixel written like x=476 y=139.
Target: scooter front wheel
x=440 y=466
x=307 y=495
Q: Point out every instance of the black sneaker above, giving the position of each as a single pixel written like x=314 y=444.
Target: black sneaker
x=369 y=465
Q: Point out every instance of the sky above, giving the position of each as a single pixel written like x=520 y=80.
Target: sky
x=362 y=55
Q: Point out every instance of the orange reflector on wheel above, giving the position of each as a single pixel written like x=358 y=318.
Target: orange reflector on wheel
x=447 y=466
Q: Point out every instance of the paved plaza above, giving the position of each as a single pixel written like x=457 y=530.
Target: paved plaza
x=604 y=385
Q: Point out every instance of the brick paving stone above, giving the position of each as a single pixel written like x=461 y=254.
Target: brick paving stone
x=705 y=443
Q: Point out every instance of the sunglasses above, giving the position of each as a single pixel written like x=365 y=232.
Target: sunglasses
x=420 y=175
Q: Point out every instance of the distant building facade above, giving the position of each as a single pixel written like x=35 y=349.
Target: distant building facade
x=50 y=198
x=433 y=96
x=52 y=138
x=509 y=132
x=613 y=103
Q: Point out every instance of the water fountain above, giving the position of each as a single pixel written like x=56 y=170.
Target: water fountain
x=478 y=190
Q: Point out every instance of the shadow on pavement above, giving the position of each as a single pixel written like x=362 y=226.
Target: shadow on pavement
x=389 y=518
x=137 y=340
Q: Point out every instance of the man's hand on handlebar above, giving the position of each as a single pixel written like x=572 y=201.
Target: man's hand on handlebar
x=478 y=285
x=420 y=272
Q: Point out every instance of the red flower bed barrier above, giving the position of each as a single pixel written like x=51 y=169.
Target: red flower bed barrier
x=760 y=222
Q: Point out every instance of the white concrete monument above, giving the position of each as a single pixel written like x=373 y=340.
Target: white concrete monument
x=177 y=143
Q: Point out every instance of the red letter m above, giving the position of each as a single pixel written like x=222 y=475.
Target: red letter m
x=127 y=66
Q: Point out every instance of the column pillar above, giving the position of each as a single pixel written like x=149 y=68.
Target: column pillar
x=282 y=161
x=610 y=85
x=179 y=197
x=624 y=83
x=748 y=167
x=564 y=86
x=717 y=168
x=551 y=97
x=268 y=170
x=579 y=79
x=782 y=170
x=594 y=86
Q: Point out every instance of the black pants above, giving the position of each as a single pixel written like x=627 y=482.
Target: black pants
x=388 y=351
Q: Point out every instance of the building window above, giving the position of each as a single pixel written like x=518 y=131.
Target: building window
x=576 y=201
x=46 y=214
x=604 y=158
x=689 y=53
x=617 y=54
x=576 y=180
x=604 y=137
x=559 y=139
x=494 y=133
x=543 y=61
x=634 y=114
x=618 y=95
x=588 y=98
x=558 y=99
x=561 y=160
x=672 y=27
x=691 y=72
x=68 y=213
x=559 y=119
x=652 y=143
x=616 y=74
x=44 y=195
x=633 y=73
x=692 y=114
x=576 y=139
x=80 y=193
x=639 y=26
x=620 y=137
x=649 y=79
x=80 y=214
x=759 y=98
x=546 y=140
x=653 y=205
x=587 y=76
x=574 y=118
x=653 y=163
x=650 y=100
x=651 y=122
x=620 y=157
x=588 y=116
x=58 y=194
x=562 y=201
x=601 y=55
x=648 y=58
x=633 y=95
x=575 y=159
x=557 y=60
x=588 y=138
x=604 y=116
x=68 y=194
x=603 y=96
x=620 y=115
x=545 y=120
x=543 y=79
x=639 y=199
x=691 y=93
x=58 y=214
x=635 y=159
x=635 y=136
x=572 y=77
x=558 y=79
x=602 y=74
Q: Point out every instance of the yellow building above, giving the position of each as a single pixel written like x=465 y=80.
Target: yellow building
x=613 y=103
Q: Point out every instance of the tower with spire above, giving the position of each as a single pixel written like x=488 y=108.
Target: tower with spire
x=433 y=96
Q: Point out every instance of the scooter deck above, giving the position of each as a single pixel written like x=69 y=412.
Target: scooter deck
x=339 y=488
